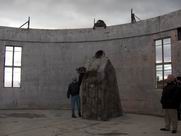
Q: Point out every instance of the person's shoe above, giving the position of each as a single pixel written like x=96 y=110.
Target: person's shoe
x=164 y=129
x=174 y=131
x=73 y=116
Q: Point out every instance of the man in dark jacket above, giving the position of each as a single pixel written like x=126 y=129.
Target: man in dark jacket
x=73 y=91
x=169 y=101
x=179 y=92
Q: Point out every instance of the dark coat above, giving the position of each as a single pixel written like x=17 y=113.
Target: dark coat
x=73 y=89
x=179 y=91
x=170 y=96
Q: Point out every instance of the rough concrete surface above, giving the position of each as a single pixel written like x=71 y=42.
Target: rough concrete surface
x=60 y=123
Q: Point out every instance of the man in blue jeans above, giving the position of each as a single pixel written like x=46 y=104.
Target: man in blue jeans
x=73 y=91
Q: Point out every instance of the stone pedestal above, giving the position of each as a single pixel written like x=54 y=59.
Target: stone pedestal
x=100 y=98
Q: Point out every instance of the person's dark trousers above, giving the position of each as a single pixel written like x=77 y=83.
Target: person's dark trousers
x=178 y=113
x=75 y=102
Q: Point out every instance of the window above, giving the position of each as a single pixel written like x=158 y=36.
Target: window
x=179 y=33
x=163 y=60
x=12 y=68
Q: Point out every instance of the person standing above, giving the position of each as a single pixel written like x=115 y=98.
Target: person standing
x=169 y=101
x=179 y=92
x=73 y=91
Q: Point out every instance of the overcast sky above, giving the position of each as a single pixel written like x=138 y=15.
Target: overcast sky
x=65 y=14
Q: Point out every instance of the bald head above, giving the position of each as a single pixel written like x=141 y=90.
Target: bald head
x=170 y=78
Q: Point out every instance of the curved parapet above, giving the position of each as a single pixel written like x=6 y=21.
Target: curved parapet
x=145 y=27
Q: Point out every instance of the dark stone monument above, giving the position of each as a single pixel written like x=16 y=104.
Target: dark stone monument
x=100 y=98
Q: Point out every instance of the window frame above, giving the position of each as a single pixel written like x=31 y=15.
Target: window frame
x=12 y=67
x=162 y=63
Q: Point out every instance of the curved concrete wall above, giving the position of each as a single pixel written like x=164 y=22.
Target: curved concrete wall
x=50 y=57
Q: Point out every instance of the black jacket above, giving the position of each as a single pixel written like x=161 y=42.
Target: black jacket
x=170 y=96
x=179 y=91
x=73 y=89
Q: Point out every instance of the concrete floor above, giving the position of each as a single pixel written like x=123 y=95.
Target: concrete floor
x=59 y=123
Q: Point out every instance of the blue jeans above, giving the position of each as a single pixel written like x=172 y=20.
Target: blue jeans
x=75 y=100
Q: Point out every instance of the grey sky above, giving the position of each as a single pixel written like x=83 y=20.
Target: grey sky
x=60 y=14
